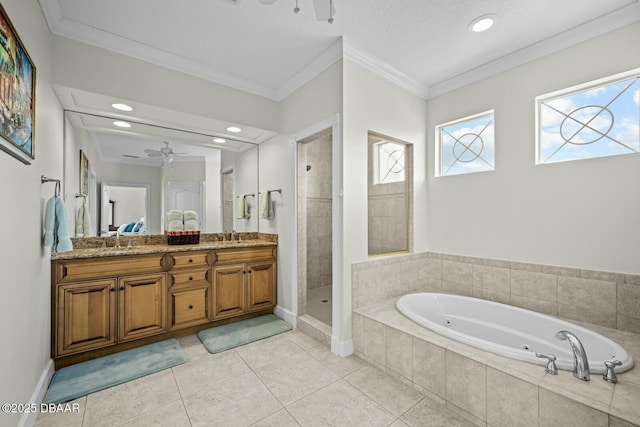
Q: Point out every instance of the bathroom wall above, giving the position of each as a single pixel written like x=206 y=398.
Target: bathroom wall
x=25 y=264
x=372 y=103
x=317 y=100
x=579 y=214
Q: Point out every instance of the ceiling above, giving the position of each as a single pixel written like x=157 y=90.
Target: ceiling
x=424 y=46
x=270 y=51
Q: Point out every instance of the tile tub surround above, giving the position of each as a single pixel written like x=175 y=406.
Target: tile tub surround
x=600 y=298
x=488 y=389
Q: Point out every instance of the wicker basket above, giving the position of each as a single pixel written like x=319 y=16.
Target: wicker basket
x=183 y=237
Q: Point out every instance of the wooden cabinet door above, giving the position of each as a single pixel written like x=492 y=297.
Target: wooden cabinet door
x=141 y=306
x=261 y=285
x=86 y=316
x=228 y=291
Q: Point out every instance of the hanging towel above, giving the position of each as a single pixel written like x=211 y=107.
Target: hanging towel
x=86 y=223
x=50 y=222
x=62 y=233
x=266 y=210
x=241 y=208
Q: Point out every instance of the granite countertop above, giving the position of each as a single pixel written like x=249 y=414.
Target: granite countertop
x=92 y=247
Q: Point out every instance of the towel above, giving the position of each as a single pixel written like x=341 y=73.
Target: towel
x=241 y=208
x=175 y=225
x=50 y=222
x=190 y=224
x=62 y=233
x=83 y=222
x=266 y=207
x=190 y=215
x=174 y=215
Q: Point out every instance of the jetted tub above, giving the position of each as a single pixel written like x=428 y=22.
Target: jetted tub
x=508 y=331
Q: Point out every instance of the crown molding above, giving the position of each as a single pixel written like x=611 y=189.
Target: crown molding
x=385 y=71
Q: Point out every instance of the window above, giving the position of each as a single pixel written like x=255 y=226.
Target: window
x=466 y=145
x=388 y=162
x=596 y=119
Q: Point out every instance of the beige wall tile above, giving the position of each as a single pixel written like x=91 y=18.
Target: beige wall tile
x=457 y=288
x=561 y=271
x=536 y=285
x=617 y=422
x=492 y=278
x=357 y=332
x=374 y=341
x=587 y=313
x=558 y=411
x=489 y=295
x=510 y=402
x=630 y=324
x=632 y=279
x=457 y=272
x=399 y=349
x=545 y=307
x=625 y=404
x=584 y=292
x=628 y=300
x=428 y=363
x=466 y=384
x=525 y=266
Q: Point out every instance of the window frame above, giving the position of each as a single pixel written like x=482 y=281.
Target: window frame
x=570 y=91
x=438 y=144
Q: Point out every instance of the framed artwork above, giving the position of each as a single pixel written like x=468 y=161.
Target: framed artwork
x=84 y=173
x=17 y=94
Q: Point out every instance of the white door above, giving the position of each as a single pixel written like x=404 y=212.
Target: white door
x=186 y=196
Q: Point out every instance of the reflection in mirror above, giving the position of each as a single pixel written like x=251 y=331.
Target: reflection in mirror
x=390 y=188
x=124 y=209
x=175 y=169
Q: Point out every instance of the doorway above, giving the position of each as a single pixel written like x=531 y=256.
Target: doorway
x=314 y=219
x=227 y=201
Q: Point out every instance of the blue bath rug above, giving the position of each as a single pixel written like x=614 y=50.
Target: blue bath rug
x=87 y=377
x=232 y=335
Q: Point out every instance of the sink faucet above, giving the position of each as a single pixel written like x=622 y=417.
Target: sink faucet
x=580 y=362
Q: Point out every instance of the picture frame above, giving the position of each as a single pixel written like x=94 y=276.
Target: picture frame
x=84 y=174
x=17 y=94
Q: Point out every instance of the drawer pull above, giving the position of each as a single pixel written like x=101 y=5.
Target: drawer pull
x=190 y=278
x=121 y=288
x=112 y=289
x=190 y=307
x=190 y=260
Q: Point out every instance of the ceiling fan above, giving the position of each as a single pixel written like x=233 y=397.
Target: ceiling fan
x=165 y=152
x=325 y=9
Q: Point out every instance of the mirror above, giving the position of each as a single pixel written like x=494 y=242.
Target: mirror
x=390 y=188
x=147 y=170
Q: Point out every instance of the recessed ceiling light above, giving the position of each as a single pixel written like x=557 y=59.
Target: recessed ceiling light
x=219 y=140
x=482 y=23
x=122 y=124
x=122 y=107
x=234 y=129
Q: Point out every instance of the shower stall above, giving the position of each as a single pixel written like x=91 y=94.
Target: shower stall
x=314 y=193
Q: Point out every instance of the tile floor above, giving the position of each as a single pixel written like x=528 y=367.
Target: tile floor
x=286 y=380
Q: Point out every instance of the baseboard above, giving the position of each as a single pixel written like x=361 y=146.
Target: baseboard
x=286 y=315
x=29 y=419
x=341 y=348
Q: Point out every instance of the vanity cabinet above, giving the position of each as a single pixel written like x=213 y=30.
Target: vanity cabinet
x=108 y=303
x=243 y=281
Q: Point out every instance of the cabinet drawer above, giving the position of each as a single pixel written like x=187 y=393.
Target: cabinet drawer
x=191 y=260
x=244 y=255
x=93 y=268
x=189 y=277
x=189 y=307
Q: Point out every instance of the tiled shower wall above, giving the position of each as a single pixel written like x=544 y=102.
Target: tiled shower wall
x=601 y=298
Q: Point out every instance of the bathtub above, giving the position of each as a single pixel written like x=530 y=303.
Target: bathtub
x=508 y=331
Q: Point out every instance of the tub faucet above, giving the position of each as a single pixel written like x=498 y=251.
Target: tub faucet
x=580 y=362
